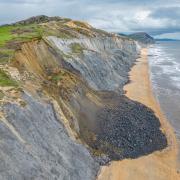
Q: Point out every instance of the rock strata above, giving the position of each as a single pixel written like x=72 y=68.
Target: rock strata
x=37 y=145
x=66 y=112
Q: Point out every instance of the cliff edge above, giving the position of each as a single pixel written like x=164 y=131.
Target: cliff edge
x=63 y=108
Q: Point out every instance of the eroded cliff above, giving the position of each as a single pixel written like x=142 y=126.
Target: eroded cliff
x=67 y=114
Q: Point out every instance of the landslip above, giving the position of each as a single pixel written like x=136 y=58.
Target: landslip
x=64 y=112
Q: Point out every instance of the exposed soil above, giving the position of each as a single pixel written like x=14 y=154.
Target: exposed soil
x=113 y=126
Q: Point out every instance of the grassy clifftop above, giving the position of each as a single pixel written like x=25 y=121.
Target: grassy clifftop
x=13 y=35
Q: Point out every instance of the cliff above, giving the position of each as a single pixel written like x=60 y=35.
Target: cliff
x=143 y=38
x=63 y=109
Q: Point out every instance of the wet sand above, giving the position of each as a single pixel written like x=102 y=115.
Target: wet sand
x=160 y=165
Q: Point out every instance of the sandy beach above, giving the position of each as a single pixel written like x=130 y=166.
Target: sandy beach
x=160 y=165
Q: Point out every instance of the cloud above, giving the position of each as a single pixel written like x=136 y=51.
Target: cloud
x=22 y=1
x=166 y=12
x=169 y=36
x=155 y=16
x=152 y=20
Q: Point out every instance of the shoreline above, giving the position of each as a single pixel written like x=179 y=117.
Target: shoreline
x=159 y=164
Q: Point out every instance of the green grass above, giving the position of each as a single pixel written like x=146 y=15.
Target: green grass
x=5 y=55
x=27 y=32
x=1 y=95
x=5 y=80
x=63 y=32
x=5 y=34
x=19 y=33
x=56 y=78
x=10 y=34
x=76 y=48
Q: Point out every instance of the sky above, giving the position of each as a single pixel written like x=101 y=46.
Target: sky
x=160 y=18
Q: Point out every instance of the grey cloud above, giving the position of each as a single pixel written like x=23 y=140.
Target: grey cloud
x=154 y=16
x=21 y=1
x=151 y=3
x=167 y=12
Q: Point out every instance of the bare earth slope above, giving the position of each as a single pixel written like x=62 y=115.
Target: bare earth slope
x=63 y=109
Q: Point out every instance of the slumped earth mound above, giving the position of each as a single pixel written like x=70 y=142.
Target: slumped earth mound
x=125 y=129
x=63 y=111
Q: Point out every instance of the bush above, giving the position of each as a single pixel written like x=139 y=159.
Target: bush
x=76 y=48
x=5 y=80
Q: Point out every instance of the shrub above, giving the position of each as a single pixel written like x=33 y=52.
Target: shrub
x=5 y=80
x=76 y=48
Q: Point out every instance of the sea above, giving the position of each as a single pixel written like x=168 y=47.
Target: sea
x=164 y=61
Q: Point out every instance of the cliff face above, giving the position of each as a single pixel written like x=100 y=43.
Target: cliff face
x=66 y=112
x=143 y=38
x=103 y=61
x=35 y=144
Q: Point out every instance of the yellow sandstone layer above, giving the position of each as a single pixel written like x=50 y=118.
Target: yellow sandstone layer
x=160 y=165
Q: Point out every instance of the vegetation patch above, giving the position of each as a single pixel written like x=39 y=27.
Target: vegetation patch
x=57 y=77
x=19 y=33
x=64 y=35
x=5 y=55
x=81 y=24
x=5 y=34
x=61 y=30
x=76 y=48
x=1 y=95
x=5 y=80
x=11 y=36
x=23 y=103
x=27 y=32
x=84 y=32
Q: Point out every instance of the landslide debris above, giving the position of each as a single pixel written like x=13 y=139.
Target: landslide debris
x=62 y=104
